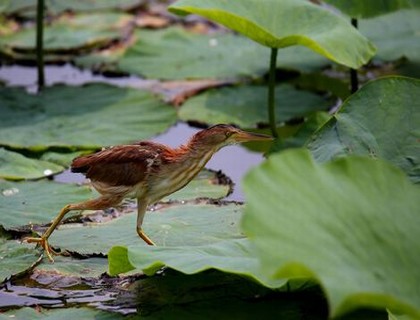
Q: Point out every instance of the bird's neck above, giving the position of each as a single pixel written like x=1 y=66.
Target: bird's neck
x=196 y=151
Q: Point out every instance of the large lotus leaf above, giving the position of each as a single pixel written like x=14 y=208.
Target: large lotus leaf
x=395 y=35
x=87 y=117
x=353 y=224
x=61 y=158
x=172 y=225
x=367 y=9
x=232 y=256
x=15 y=258
x=244 y=105
x=67 y=35
x=27 y=8
x=207 y=183
x=60 y=37
x=161 y=54
x=23 y=203
x=381 y=120
x=66 y=266
x=178 y=54
x=60 y=314
x=14 y=166
x=280 y=24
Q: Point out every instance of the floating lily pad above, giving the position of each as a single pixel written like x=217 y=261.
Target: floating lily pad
x=60 y=158
x=172 y=225
x=27 y=8
x=59 y=314
x=353 y=224
x=380 y=120
x=67 y=35
x=207 y=184
x=395 y=35
x=232 y=256
x=24 y=203
x=280 y=24
x=82 y=268
x=88 y=117
x=162 y=54
x=15 y=257
x=245 y=105
x=14 y=166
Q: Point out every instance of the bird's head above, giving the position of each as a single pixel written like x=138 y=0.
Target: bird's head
x=221 y=135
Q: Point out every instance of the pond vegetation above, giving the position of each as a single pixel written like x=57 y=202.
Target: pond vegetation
x=330 y=227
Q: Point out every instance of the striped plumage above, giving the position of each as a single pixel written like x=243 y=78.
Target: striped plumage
x=147 y=171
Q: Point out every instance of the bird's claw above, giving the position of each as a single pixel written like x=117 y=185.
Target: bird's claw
x=43 y=242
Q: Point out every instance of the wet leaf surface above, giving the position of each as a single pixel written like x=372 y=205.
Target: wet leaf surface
x=87 y=117
x=173 y=224
x=245 y=106
x=70 y=267
x=380 y=120
x=15 y=258
x=357 y=231
x=25 y=203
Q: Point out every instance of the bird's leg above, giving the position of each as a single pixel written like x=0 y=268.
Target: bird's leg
x=141 y=211
x=100 y=203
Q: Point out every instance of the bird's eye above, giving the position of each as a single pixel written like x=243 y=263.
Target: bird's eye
x=228 y=134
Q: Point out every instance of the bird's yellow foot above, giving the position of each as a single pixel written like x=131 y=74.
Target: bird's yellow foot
x=145 y=237
x=43 y=242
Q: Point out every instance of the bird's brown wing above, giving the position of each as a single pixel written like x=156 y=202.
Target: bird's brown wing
x=120 y=165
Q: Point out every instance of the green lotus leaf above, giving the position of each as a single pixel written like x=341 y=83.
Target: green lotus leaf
x=87 y=117
x=14 y=166
x=66 y=36
x=243 y=105
x=24 y=203
x=367 y=9
x=280 y=24
x=161 y=54
x=395 y=35
x=27 y=8
x=352 y=224
x=380 y=120
x=171 y=225
x=207 y=184
x=72 y=267
x=15 y=257
x=36 y=202
x=232 y=256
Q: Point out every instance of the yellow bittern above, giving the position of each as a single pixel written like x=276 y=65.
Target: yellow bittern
x=147 y=171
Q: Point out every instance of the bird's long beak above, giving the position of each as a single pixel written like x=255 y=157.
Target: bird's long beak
x=243 y=136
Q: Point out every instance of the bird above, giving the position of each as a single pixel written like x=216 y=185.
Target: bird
x=145 y=170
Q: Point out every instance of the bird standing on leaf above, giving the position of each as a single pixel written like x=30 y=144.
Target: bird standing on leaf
x=146 y=170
